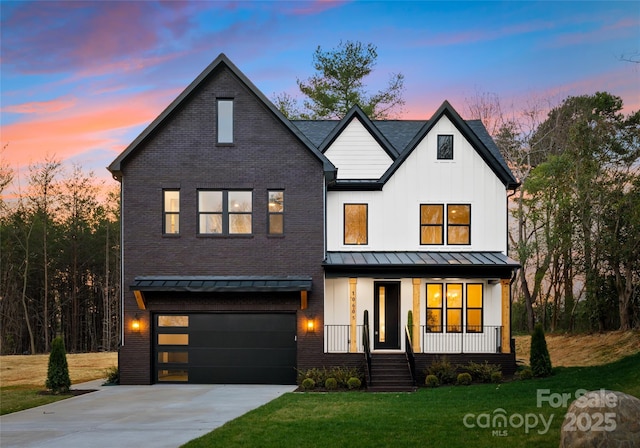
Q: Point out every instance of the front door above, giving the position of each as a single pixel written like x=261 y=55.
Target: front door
x=386 y=318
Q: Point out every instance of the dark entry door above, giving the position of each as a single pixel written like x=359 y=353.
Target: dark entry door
x=386 y=318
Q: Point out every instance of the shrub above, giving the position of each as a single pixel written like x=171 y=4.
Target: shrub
x=340 y=374
x=525 y=374
x=331 y=384
x=58 y=380
x=482 y=372
x=308 y=384
x=431 y=381
x=539 y=358
x=354 y=383
x=496 y=377
x=464 y=379
x=113 y=375
x=443 y=370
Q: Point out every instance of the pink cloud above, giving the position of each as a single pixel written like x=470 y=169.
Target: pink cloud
x=623 y=28
x=41 y=107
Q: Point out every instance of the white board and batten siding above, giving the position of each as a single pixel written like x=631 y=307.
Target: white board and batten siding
x=358 y=155
x=394 y=212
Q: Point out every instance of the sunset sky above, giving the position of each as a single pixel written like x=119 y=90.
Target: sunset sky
x=80 y=80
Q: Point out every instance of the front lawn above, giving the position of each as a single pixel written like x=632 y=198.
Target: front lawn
x=444 y=417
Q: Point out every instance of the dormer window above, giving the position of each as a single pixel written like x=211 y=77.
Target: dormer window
x=445 y=147
x=225 y=121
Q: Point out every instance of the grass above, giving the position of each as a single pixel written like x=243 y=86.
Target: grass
x=429 y=417
x=22 y=377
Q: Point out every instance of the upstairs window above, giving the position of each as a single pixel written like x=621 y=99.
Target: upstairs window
x=276 y=213
x=224 y=212
x=431 y=224
x=355 y=224
x=225 y=121
x=445 y=147
x=458 y=224
x=171 y=212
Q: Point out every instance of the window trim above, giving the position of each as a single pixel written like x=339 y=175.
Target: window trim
x=442 y=226
x=439 y=144
x=481 y=308
x=344 y=223
x=221 y=122
x=166 y=214
x=468 y=226
x=225 y=213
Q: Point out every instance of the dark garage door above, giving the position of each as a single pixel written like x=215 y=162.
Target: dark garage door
x=225 y=348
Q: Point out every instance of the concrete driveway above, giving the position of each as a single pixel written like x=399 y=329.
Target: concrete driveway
x=161 y=415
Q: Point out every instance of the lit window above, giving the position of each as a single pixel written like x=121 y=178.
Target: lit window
x=276 y=213
x=171 y=211
x=173 y=321
x=431 y=224
x=458 y=224
x=474 y=308
x=445 y=147
x=225 y=121
x=355 y=224
x=454 y=308
x=223 y=212
x=434 y=308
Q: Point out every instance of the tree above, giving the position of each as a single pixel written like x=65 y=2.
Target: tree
x=339 y=85
x=539 y=354
x=58 y=380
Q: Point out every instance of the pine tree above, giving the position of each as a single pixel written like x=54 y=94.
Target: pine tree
x=58 y=380
x=539 y=356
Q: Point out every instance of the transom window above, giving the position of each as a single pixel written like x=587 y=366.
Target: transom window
x=225 y=121
x=276 y=212
x=355 y=224
x=224 y=212
x=445 y=147
x=171 y=212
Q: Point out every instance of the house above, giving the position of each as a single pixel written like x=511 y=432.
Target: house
x=254 y=245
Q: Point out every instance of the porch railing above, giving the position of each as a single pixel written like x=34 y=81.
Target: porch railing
x=408 y=348
x=468 y=339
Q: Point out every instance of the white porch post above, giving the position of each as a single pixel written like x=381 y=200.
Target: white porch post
x=353 y=309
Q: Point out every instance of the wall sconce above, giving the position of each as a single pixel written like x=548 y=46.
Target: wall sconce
x=135 y=324
x=311 y=325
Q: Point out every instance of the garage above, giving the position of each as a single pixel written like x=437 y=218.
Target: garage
x=225 y=348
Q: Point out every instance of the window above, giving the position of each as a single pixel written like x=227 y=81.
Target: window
x=431 y=224
x=458 y=224
x=171 y=211
x=355 y=224
x=173 y=321
x=434 y=308
x=276 y=213
x=225 y=121
x=445 y=147
x=223 y=212
x=454 y=307
x=474 y=307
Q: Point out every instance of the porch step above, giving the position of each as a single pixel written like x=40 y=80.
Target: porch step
x=390 y=373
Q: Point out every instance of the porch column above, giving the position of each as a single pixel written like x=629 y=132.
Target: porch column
x=416 y=315
x=506 y=315
x=353 y=309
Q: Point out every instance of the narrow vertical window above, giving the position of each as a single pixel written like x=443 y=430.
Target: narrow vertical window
x=276 y=213
x=431 y=224
x=210 y=212
x=240 y=209
x=225 y=121
x=355 y=224
x=474 y=308
x=171 y=212
x=459 y=224
x=454 y=307
x=434 y=308
x=445 y=147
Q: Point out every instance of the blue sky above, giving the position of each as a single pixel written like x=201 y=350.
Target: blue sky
x=80 y=80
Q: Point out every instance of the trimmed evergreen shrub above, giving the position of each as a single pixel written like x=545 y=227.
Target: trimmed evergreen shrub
x=410 y=324
x=331 y=384
x=431 y=381
x=525 y=374
x=308 y=384
x=482 y=372
x=496 y=377
x=354 y=383
x=58 y=380
x=464 y=379
x=443 y=370
x=113 y=375
x=539 y=358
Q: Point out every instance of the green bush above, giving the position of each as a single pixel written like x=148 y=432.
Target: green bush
x=308 y=384
x=354 y=383
x=496 y=377
x=525 y=374
x=482 y=372
x=112 y=375
x=331 y=384
x=464 y=379
x=443 y=370
x=341 y=375
x=58 y=380
x=431 y=381
x=539 y=358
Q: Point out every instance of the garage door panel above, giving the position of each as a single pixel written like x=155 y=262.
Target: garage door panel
x=231 y=375
x=238 y=323
x=242 y=357
x=248 y=339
